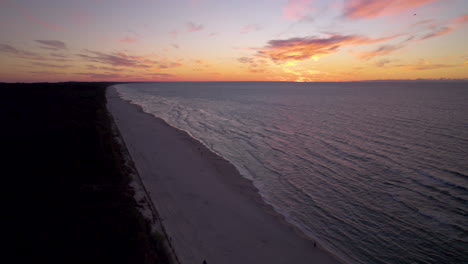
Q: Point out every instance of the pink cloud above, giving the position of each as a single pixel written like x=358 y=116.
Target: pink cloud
x=25 y=13
x=297 y=9
x=173 y=33
x=437 y=30
x=44 y=24
x=192 y=27
x=357 y=9
x=249 y=28
x=430 y=29
x=461 y=19
x=128 y=40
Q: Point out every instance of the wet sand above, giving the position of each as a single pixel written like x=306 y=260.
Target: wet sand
x=209 y=211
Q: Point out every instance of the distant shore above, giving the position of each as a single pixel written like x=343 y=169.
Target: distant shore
x=209 y=210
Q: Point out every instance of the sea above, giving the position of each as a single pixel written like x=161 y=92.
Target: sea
x=376 y=172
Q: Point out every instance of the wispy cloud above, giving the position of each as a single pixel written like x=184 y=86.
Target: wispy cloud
x=128 y=40
x=426 y=29
x=29 y=55
x=119 y=59
x=297 y=9
x=173 y=33
x=382 y=63
x=299 y=49
x=254 y=64
x=168 y=64
x=461 y=19
x=50 y=65
x=28 y=16
x=248 y=28
x=104 y=68
x=163 y=75
x=5 y=48
x=358 y=9
x=438 y=29
x=93 y=75
x=436 y=32
x=423 y=67
x=380 y=51
x=245 y=60
x=192 y=27
x=52 y=44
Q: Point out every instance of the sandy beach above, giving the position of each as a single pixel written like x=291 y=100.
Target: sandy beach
x=209 y=211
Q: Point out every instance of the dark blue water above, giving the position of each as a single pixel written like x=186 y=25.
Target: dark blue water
x=377 y=172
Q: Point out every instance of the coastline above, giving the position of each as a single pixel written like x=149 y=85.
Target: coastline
x=141 y=195
x=71 y=200
x=194 y=190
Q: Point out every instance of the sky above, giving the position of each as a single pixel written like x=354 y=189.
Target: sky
x=242 y=40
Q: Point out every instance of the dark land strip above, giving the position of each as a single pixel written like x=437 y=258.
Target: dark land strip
x=68 y=198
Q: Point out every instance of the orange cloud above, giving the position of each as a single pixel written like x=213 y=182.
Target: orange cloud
x=299 y=49
x=357 y=9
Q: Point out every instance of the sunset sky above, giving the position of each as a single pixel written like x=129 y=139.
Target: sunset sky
x=242 y=40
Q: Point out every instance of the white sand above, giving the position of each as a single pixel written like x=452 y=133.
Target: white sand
x=210 y=212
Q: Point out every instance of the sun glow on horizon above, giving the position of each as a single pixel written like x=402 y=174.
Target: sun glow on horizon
x=209 y=40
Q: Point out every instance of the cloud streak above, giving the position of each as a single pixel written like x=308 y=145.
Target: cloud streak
x=121 y=59
x=128 y=40
x=248 y=28
x=52 y=44
x=5 y=48
x=115 y=59
x=27 y=15
x=423 y=67
x=360 y=9
x=192 y=27
x=430 y=30
x=297 y=9
x=381 y=51
x=299 y=49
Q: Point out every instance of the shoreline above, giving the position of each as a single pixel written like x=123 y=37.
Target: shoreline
x=239 y=190
x=141 y=195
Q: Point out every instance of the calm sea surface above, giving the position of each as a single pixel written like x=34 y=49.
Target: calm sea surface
x=376 y=172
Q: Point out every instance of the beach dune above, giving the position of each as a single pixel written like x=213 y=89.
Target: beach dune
x=209 y=211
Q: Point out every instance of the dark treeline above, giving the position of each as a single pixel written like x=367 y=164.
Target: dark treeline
x=68 y=198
